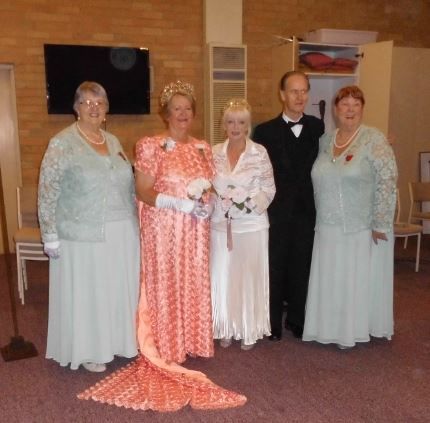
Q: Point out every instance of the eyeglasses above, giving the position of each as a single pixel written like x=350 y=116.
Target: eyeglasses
x=296 y=93
x=90 y=103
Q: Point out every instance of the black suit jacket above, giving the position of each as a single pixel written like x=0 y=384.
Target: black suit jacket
x=292 y=159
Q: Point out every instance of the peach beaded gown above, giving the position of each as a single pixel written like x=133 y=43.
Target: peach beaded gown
x=174 y=314
x=175 y=251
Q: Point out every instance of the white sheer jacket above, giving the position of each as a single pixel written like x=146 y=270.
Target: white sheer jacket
x=356 y=190
x=254 y=174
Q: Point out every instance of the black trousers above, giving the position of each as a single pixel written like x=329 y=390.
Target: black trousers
x=290 y=254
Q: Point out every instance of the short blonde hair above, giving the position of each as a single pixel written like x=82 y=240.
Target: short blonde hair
x=239 y=106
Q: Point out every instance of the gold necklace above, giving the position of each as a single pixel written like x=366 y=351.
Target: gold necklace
x=84 y=135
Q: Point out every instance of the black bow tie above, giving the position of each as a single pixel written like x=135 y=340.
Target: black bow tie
x=299 y=122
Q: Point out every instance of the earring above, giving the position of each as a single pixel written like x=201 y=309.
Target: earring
x=79 y=118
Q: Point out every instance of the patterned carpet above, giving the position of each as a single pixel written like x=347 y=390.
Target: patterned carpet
x=289 y=381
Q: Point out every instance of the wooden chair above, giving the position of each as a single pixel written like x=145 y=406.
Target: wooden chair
x=407 y=229
x=418 y=192
x=28 y=242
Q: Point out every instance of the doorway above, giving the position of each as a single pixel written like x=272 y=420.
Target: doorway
x=10 y=160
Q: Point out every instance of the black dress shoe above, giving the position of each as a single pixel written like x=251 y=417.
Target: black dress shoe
x=274 y=338
x=295 y=329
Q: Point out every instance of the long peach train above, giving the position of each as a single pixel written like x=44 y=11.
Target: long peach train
x=152 y=383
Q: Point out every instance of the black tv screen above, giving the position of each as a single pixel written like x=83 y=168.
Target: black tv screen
x=122 y=71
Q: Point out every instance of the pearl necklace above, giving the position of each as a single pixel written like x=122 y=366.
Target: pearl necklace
x=348 y=140
x=84 y=135
x=344 y=144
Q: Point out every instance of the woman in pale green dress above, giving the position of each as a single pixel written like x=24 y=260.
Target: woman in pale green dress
x=350 y=296
x=89 y=229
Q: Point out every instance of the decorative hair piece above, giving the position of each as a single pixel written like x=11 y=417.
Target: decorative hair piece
x=236 y=103
x=173 y=88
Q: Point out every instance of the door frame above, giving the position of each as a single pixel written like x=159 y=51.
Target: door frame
x=10 y=157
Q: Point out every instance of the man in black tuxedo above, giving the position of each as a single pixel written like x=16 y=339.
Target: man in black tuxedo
x=291 y=140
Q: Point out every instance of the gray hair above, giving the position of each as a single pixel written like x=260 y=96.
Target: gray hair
x=92 y=87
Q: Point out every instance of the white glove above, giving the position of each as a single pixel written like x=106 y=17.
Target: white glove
x=164 y=201
x=52 y=249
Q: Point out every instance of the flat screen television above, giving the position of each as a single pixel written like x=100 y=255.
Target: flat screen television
x=122 y=71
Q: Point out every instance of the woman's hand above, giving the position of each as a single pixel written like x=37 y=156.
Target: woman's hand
x=378 y=235
x=52 y=249
x=184 y=205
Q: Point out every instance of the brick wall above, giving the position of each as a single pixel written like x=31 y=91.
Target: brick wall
x=173 y=32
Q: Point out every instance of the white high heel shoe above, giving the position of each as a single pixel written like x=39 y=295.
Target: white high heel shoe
x=246 y=347
x=225 y=343
x=94 y=367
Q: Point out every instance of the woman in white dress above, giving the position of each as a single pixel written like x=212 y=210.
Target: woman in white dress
x=89 y=228
x=245 y=187
x=350 y=293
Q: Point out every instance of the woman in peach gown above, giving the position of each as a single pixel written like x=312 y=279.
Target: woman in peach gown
x=173 y=177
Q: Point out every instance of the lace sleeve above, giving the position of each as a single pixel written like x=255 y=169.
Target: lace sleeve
x=267 y=184
x=383 y=163
x=51 y=174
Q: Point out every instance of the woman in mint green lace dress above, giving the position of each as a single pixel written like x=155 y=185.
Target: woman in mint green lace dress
x=89 y=229
x=350 y=295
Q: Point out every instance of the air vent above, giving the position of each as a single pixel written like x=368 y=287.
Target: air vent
x=225 y=77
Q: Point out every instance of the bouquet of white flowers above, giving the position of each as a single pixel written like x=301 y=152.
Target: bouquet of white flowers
x=235 y=203
x=197 y=187
x=195 y=191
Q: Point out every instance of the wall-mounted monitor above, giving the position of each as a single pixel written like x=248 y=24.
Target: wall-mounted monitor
x=122 y=71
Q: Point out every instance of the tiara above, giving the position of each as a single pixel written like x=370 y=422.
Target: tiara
x=236 y=103
x=173 y=88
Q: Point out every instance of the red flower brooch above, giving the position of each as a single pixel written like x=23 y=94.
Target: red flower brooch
x=348 y=157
